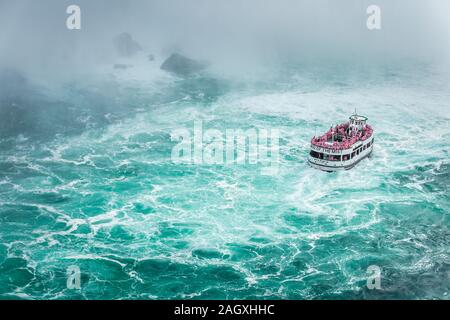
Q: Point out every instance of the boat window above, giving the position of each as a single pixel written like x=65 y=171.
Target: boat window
x=316 y=155
x=353 y=154
x=328 y=157
x=334 y=158
x=345 y=157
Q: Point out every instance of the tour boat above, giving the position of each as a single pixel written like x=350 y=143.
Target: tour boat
x=343 y=146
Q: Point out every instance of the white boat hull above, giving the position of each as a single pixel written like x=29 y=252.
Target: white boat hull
x=331 y=166
x=335 y=168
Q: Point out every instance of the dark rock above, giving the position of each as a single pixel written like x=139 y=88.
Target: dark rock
x=182 y=66
x=126 y=46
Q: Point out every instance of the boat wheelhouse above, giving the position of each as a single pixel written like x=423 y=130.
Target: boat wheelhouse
x=343 y=146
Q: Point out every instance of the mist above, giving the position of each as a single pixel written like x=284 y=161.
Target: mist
x=34 y=37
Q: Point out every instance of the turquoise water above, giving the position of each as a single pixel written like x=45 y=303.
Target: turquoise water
x=86 y=179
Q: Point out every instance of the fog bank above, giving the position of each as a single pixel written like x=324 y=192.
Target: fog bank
x=34 y=35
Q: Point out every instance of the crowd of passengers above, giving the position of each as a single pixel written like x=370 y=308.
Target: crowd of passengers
x=329 y=139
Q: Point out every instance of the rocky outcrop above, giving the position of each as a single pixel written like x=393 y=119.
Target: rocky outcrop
x=182 y=66
x=126 y=46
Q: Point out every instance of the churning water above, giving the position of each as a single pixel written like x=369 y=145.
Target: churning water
x=86 y=179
